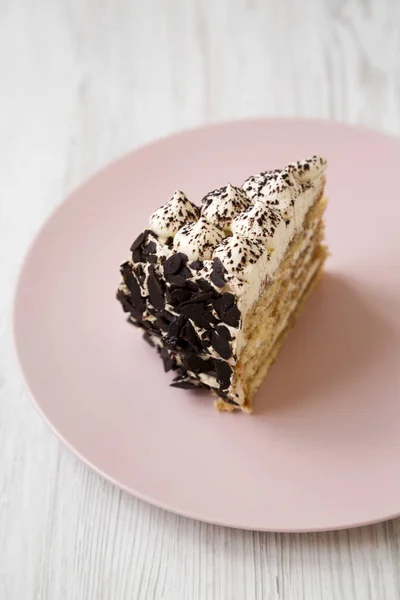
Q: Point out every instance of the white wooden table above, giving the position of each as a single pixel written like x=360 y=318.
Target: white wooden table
x=82 y=82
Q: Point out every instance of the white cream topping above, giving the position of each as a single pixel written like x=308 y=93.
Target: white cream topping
x=221 y=206
x=260 y=222
x=198 y=240
x=239 y=255
x=168 y=219
x=307 y=170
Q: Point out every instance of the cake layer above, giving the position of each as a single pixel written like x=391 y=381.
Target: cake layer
x=270 y=316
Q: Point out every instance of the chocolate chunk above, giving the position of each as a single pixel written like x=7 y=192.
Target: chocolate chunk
x=207 y=366
x=139 y=240
x=133 y=321
x=137 y=256
x=184 y=384
x=210 y=316
x=217 y=274
x=190 y=335
x=175 y=327
x=193 y=363
x=135 y=314
x=217 y=304
x=167 y=316
x=232 y=316
x=176 y=280
x=185 y=273
x=167 y=360
x=224 y=332
x=227 y=301
x=200 y=297
x=196 y=265
x=171 y=342
x=137 y=299
x=125 y=301
x=148 y=339
x=169 y=242
x=220 y=345
x=217 y=278
x=155 y=290
x=198 y=314
x=162 y=323
x=150 y=248
x=224 y=373
x=191 y=286
x=179 y=295
x=126 y=270
x=205 y=286
x=150 y=258
x=140 y=274
x=174 y=263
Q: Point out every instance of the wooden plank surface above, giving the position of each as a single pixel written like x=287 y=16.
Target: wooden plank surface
x=82 y=82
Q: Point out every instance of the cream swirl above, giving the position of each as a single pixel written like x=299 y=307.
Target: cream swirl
x=309 y=169
x=276 y=188
x=221 y=206
x=239 y=255
x=198 y=240
x=168 y=219
x=261 y=222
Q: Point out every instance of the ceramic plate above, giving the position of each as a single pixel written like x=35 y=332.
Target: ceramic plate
x=322 y=449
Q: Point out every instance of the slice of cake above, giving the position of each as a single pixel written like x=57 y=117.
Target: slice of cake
x=217 y=288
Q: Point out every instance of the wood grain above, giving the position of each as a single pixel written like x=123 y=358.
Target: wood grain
x=82 y=82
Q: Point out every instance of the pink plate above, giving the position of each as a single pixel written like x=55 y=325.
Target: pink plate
x=322 y=450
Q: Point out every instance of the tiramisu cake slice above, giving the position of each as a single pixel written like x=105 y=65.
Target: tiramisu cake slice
x=216 y=288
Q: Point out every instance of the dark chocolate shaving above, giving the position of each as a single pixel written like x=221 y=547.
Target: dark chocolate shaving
x=150 y=248
x=198 y=314
x=125 y=301
x=174 y=263
x=217 y=273
x=137 y=299
x=227 y=301
x=155 y=290
x=179 y=295
x=139 y=240
x=220 y=345
x=176 y=280
x=167 y=360
x=205 y=286
x=224 y=373
x=191 y=286
x=200 y=297
x=196 y=265
x=232 y=316
x=224 y=332
x=193 y=363
x=184 y=384
x=137 y=255
x=190 y=335
x=175 y=326
x=148 y=339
